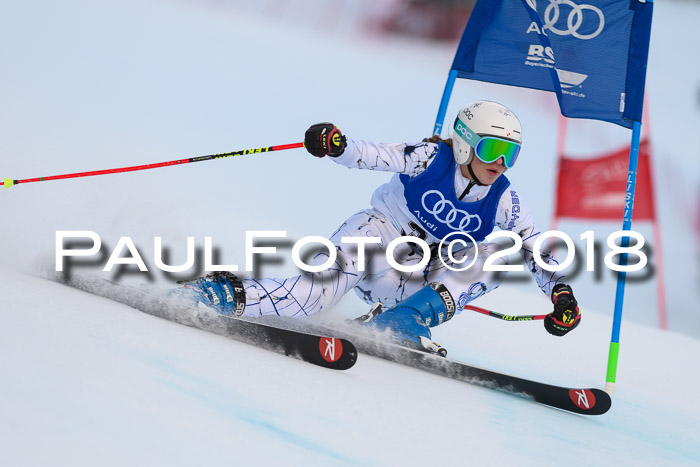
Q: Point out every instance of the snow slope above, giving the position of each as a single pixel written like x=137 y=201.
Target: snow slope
x=85 y=381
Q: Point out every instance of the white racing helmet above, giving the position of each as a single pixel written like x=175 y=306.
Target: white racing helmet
x=485 y=118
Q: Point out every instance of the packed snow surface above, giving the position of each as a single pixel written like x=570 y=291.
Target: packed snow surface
x=88 y=381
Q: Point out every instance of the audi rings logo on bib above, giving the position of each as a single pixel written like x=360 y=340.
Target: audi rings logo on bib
x=564 y=18
x=446 y=213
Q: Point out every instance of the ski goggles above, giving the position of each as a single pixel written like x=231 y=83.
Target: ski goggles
x=488 y=148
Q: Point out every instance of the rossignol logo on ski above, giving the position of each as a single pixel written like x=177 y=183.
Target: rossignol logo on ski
x=331 y=348
x=582 y=398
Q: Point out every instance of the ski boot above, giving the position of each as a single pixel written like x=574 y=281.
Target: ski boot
x=221 y=291
x=376 y=309
x=411 y=319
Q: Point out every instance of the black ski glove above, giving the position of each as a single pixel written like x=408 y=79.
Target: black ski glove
x=324 y=139
x=566 y=314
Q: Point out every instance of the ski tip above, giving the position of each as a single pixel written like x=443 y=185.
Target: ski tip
x=590 y=401
x=8 y=182
x=338 y=354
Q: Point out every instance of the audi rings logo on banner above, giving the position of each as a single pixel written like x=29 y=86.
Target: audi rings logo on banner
x=446 y=212
x=574 y=20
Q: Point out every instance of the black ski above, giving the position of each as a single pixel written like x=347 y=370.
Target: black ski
x=585 y=401
x=319 y=349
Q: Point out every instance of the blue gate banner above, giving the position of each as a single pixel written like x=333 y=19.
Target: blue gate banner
x=591 y=53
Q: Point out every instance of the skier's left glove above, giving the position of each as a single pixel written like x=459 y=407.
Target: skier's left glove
x=325 y=139
x=566 y=314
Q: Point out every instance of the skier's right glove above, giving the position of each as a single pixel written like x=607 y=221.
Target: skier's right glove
x=566 y=314
x=324 y=139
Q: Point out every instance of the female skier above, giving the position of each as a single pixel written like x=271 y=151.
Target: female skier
x=441 y=188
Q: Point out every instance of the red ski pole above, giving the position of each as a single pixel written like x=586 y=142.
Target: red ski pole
x=493 y=314
x=9 y=182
